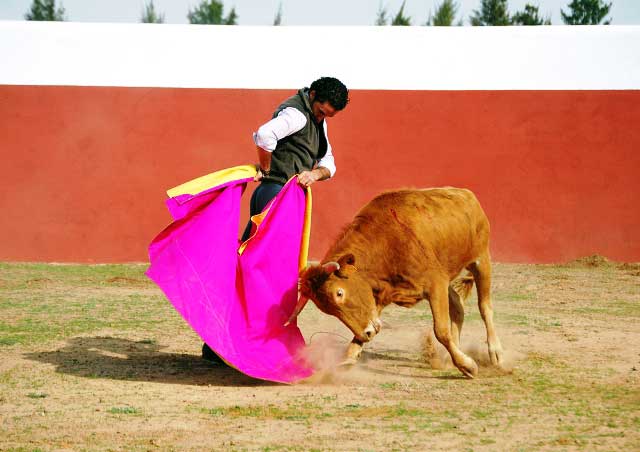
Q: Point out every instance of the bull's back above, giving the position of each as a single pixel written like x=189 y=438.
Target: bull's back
x=448 y=221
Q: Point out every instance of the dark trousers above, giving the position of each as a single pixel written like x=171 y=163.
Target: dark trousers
x=259 y=200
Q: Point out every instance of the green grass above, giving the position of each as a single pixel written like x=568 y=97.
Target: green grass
x=402 y=410
x=101 y=328
x=23 y=449
x=37 y=395
x=615 y=307
x=269 y=411
x=316 y=411
x=515 y=297
x=43 y=303
x=124 y=410
x=44 y=273
x=533 y=320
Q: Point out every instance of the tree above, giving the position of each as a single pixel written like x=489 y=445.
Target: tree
x=382 y=18
x=529 y=16
x=445 y=14
x=278 y=19
x=45 y=10
x=149 y=15
x=400 y=18
x=492 y=12
x=211 y=12
x=586 y=12
x=232 y=18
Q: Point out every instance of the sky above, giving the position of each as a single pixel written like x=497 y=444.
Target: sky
x=300 y=12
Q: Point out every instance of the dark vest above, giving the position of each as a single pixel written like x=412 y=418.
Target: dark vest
x=299 y=151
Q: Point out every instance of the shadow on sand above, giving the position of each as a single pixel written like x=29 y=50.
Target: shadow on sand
x=123 y=359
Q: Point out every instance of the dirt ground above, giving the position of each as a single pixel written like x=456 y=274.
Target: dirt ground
x=94 y=358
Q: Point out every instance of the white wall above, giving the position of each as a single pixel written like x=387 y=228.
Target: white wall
x=411 y=58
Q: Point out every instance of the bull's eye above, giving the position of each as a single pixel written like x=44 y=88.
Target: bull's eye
x=340 y=293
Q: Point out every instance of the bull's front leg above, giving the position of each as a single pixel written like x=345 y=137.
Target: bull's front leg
x=353 y=353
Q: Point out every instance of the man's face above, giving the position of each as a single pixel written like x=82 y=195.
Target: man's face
x=321 y=110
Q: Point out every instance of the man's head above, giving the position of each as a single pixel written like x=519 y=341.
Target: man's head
x=328 y=96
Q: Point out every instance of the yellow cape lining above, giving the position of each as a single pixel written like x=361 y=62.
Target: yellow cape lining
x=224 y=176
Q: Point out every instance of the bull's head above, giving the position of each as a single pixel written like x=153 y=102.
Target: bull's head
x=338 y=289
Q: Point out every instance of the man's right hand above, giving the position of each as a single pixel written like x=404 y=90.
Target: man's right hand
x=264 y=161
x=258 y=177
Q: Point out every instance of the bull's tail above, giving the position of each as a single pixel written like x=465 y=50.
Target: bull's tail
x=463 y=285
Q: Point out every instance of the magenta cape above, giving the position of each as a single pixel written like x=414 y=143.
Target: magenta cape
x=237 y=303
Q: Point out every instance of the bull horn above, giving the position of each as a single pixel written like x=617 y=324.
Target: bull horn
x=302 y=301
x=331 y=267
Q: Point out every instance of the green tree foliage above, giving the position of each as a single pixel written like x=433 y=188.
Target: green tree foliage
x=150 y=16
x=400 y=18
x=232 y=17
x=530 y=16
x=382 y=18
x=211 y=12
x=445 y=14
x=278 y=19
x=45 y=10
x=492 y=12
x=586 y=12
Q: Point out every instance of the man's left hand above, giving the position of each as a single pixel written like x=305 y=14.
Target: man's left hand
x=306 y=178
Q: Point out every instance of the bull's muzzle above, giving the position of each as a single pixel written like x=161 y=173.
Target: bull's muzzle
x=372 y=329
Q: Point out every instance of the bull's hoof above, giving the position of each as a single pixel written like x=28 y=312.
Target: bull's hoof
x=496 y=354
x=352 y=354
x=469 y=369
x=354 y=350
x=348 y=362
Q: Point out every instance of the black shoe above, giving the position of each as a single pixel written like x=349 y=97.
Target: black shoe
x=210 y=355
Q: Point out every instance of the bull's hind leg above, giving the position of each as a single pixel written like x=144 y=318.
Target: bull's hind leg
x=481 y=270
x=456 y=311
x=439 y=301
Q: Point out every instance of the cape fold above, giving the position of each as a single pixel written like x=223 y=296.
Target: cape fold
x=236 y=301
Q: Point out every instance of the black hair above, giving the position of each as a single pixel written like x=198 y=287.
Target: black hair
x=332 y=90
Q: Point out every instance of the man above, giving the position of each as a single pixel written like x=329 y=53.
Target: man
x=294 y=141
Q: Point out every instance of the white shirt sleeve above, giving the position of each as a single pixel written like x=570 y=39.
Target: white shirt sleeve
x=289 y=121
x=327 y=161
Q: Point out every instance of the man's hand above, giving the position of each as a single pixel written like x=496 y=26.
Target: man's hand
x=264 y=161
x=258 y=177
x=306 y=178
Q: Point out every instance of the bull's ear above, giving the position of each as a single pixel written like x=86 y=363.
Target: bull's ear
x=347 y=259
x=331 y=267
x=347 y=265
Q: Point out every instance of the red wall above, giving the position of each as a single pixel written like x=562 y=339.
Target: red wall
x=84 y=170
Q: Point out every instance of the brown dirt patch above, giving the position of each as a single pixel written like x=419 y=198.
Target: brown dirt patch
x=115 y=368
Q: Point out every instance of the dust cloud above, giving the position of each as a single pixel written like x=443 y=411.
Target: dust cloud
x=326 y=353
x=438 y=357
x=326 y=350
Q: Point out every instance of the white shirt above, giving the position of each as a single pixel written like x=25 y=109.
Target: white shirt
x=289 y=121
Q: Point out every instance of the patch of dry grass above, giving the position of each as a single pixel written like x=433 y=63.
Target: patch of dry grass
x=94 y=358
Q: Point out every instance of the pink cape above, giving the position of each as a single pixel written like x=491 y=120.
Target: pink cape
x=237 y=303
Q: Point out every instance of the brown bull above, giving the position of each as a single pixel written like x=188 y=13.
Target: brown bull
x=403 y=247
